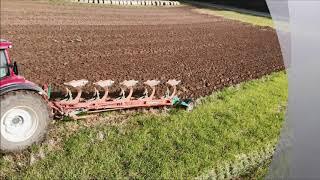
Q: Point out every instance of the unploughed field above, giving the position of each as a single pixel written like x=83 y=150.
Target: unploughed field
x=58 y=43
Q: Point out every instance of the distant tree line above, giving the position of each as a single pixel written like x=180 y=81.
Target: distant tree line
x=258 y=5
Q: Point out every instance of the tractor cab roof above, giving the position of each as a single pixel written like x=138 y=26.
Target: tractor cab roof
x=4 y=44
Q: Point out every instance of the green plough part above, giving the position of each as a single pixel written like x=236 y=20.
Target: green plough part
x=186 y=103
x=49 y=91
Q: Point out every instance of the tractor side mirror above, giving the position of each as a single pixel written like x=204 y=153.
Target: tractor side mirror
x=15 y=68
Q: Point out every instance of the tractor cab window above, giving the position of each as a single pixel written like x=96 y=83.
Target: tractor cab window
x=4 y=70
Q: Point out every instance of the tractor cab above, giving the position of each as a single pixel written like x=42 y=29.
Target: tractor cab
x=9 y=78
x=7 y=68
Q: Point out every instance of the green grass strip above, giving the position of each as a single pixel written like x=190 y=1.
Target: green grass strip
x=247 y=18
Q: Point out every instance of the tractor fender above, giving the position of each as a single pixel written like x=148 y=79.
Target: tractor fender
x=21 y=86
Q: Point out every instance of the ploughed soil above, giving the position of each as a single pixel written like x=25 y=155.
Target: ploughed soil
x=56 y=43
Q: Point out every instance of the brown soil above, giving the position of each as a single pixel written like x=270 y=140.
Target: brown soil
x=58 y=43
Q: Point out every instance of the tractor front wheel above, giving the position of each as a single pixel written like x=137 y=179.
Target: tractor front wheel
x=24 y=120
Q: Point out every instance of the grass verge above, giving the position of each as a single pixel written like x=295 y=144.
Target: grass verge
x=226 y=128
x=247 y=18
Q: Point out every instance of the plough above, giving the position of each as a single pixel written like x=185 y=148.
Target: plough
x=26 y=109
x=71 y=106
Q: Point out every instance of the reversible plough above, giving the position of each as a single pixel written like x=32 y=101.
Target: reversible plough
x=71 y=106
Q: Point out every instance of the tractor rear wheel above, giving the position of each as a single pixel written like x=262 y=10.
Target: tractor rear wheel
x=24 y=120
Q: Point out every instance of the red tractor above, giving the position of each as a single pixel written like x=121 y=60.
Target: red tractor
x=26 y=109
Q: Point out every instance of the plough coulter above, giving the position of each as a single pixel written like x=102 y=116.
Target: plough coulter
x=26 y=109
